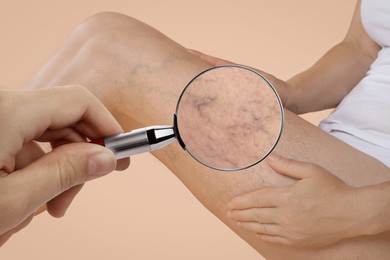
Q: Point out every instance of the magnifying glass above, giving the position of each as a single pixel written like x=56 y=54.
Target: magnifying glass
x=227 y=118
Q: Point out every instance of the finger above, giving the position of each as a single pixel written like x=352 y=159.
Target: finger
x=7 y=235
x=29 y=153
x=122 y=164
x=58 y=206
x=259 y=215
x=291 y=168
x=265 y=197
x=63 y=107
x=92 y=119
x=63 y=168
x=274 y=239
x=214 y=61
x=67 y=134
x=41 y=209
x=265 y=229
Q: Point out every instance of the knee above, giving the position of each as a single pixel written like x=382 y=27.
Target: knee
x=105 y=32
x=117 y=35
x=102 y=22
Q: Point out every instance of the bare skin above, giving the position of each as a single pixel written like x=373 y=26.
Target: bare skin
x=229 y=118
x=322 y=209
x=138 y=73
x=29 y=177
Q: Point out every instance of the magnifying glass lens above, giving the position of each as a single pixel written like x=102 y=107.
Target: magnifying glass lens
x=229 y=118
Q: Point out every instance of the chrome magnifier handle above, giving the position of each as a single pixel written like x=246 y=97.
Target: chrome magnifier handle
x=138 y=141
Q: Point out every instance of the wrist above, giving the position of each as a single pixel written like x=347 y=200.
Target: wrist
x=374 y=204
x=290 y=96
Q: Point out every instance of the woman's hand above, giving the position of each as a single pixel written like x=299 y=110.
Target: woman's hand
x=29 y=177
x=318 y=209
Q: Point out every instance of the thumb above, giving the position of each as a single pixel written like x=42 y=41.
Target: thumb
x=64 y=167
x=291 y=168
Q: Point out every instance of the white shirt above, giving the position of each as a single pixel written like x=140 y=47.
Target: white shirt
x=365 y=111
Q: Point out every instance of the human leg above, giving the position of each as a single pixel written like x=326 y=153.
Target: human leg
x=138 y=73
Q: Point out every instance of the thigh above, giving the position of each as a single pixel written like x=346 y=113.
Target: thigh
x=300 y=140
x=139 y=73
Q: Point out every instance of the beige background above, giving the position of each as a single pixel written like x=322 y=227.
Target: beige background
x=146 y=213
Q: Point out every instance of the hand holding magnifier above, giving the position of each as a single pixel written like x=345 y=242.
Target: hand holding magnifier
x=227 y=118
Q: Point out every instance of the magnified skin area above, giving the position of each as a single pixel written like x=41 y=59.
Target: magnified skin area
x=229 y=118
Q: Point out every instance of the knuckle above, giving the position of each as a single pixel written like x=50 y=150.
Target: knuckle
x=297 y=237
x=79 y=93
x=78 y=90
x=7 y=162
x=251 y=215
x=258 y=200
x=68 y=170
x=265 y=229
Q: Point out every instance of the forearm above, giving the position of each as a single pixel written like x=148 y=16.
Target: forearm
x=327 y=82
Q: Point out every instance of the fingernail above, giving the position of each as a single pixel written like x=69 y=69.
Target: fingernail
x=101 y=164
